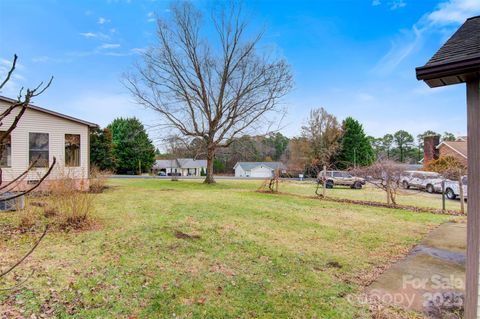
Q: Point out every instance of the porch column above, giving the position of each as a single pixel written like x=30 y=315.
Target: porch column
x=473 y=218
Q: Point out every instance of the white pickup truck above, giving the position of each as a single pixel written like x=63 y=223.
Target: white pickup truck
x=452 y=190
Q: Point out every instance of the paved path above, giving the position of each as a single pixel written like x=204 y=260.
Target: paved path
x=431 y=277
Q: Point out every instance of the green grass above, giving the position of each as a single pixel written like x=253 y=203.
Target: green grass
x=371 y=193
x=258 y=256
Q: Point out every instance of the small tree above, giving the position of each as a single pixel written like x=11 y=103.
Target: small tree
x=202 y=172
x=101 y=149
x=322 y=133
x=132 y=149
x=385 y=175
x=355 y=148
x=452 y=169
x=403 y=140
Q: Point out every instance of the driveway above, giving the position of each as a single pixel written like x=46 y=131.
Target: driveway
x=431 y=278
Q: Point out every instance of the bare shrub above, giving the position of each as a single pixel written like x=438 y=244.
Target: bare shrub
x=385 y=175
x=98 y=180
x=28 y=219
x=72 y=208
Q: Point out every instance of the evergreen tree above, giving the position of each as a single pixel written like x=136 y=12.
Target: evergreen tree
x=101 y=149
x=133 y=149
x=356 y=149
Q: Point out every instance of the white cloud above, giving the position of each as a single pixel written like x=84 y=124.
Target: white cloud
x=447 y=13
x=454 y=11
x=103 y=20
x=151 y=16
x=376 y=3
x=95 y=35
x=397 y=4
x=109 y=46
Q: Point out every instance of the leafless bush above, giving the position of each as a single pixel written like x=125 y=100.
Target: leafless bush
x=98 y=180
x=385 y=175
x=73 y=208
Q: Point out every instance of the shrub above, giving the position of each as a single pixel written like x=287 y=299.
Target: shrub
x=98 y=180
x=72 y=208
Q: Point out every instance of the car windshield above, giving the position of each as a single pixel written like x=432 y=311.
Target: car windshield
x=464 y=180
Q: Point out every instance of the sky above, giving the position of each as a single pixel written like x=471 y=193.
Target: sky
x=353 y=57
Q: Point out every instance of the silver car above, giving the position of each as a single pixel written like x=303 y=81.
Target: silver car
x=452 y=189
x=428 y=181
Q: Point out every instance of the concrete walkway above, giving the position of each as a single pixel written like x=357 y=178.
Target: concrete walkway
x=431 y=279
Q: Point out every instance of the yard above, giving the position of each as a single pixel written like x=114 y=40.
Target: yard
x=163 y=249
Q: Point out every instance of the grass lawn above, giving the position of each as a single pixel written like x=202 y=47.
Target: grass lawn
x=372 y=193
x=183 y=249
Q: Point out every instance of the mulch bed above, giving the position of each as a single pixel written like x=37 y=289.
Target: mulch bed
x=410 y=208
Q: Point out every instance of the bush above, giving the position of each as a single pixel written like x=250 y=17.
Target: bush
x=72 y=208
x=98 y=180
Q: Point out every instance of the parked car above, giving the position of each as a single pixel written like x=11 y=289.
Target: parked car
x=333 y=178
x=452 y=190
x=428 y=181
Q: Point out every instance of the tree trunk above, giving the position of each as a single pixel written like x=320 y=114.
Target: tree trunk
x=210 y=156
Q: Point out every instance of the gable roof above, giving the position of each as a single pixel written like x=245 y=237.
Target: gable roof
x=43 y=110
x=457 y=60
x=459 y=147
x=248 y=166
x=179 y=163
x=191 y=163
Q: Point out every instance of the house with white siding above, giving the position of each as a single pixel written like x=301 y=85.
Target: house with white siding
x=258 y=169
x=41 y=135
x=180 y=167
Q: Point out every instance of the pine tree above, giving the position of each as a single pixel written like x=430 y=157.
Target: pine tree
x=356 y=149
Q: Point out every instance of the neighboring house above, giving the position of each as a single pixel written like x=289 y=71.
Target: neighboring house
x=180 y=166
x=433 y=149
x=40 y=136
x=457 y=149
x=258 y=169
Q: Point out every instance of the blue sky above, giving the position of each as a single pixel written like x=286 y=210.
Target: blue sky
x=353 y=57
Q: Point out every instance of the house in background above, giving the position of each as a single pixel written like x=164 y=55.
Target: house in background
x=258 y=169
x=40 y=135
x=180 y=167
x=433 y=149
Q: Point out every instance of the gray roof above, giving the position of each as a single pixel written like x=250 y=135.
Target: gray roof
x=41 y=109
x=247 y=166
x=191 y=163
x=457 y=60
x=179 y=163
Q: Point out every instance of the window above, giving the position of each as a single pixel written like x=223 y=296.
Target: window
x=6 y=151
x=38 y=149
x=72 y=150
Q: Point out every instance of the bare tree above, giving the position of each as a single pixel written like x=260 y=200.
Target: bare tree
x=14 y=113
x=214 y=88
x=385 y=175
x=322 y=133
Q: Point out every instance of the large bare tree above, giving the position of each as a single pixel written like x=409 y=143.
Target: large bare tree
x=206 y=78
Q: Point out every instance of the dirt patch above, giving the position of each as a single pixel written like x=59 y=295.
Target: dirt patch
x=334 y=264
x=182 y=235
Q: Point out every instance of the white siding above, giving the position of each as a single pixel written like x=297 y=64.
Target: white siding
x=261 y=171
x=39 y=122
x=239 y=172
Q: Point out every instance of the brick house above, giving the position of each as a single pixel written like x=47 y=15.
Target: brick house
x=433 y=149
x=457 y=149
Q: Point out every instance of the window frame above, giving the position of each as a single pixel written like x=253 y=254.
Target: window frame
x=9 y=152
x=30 y=161
x=79 y=150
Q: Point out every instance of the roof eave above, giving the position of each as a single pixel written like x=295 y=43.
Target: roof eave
x=449 y=73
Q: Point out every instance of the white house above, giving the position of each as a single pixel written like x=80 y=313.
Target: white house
x=258 y=169
x=180 y=166
x=40 y=136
